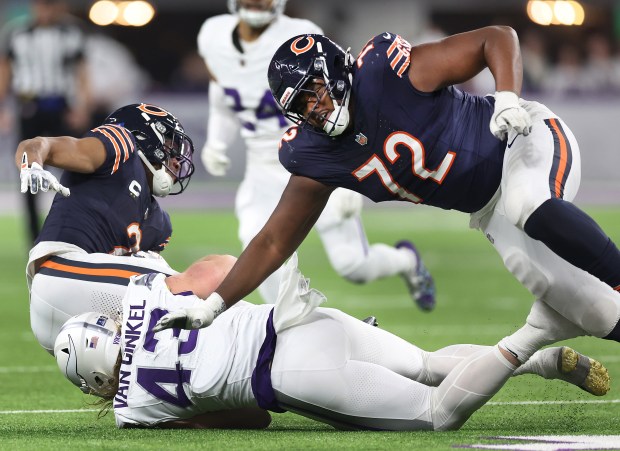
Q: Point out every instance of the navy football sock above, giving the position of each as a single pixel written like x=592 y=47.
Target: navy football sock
x=614 y=334
x=577 y=238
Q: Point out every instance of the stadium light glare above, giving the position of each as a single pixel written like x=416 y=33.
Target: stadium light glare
x=120 y=17
x=138 y=13
x=555 y=12
x=539 y=12
x=103 y=12
x=580 y=14
x=564 y=12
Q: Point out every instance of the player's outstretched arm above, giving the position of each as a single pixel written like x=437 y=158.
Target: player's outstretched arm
x=84 y=155
x=458 y=58
x=78 y=155
x=300 y=206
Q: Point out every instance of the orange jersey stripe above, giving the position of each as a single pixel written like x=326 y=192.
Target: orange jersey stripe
x=128 y=137
x=563 y=157
x=90 y=271
x=117 y=159
x=121 y=139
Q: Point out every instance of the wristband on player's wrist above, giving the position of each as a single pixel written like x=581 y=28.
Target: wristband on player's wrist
x=216 y=303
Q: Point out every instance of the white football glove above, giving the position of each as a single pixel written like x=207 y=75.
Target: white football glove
x=193 y=318
x=346 y=202
x=509 y=115
x=214 y=159
x=36 y=178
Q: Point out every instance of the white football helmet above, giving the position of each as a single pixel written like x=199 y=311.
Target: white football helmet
x=257 y=18
x=87 y=349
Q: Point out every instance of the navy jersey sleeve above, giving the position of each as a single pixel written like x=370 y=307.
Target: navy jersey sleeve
x=387 y=52
x=302 y=153
x=156 y=229
x=119 y=144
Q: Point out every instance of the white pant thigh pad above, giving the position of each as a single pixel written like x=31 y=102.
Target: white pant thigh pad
x=558 y=328
x=315 y=368
x=575 y=294
x=533 y=163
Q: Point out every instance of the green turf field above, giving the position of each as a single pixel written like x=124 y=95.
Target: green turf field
x=478 y=302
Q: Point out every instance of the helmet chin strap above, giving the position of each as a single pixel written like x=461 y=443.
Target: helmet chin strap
x=338 y=120
x=162 y=181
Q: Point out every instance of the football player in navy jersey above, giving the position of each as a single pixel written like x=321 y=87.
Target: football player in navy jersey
x=237 y=49
x=391 y=125
x=104 y=210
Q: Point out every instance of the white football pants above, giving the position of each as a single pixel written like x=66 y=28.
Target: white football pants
x=341 y=371
x=591 y=305
x=72 y=283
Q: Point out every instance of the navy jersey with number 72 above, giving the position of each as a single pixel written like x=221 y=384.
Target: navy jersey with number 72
x=430 y=148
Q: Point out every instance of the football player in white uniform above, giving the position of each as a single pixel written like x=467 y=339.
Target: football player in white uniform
x=237 y=48
x=296 y=356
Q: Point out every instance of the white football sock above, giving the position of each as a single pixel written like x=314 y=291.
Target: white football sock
x=468 y=387
x=438 y=364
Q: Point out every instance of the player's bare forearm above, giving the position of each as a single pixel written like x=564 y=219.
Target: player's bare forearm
x=255 y=264
x=299 y=208
x=503 y=58
x=65 y=152
x=460 y=57
x=36 y=149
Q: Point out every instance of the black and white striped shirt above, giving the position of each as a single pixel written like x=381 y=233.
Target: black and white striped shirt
x=43 y=58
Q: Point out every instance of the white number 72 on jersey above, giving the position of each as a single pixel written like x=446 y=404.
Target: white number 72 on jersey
x=376 y=165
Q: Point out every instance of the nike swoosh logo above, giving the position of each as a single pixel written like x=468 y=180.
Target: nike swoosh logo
x=387 y=36
x=512 y=142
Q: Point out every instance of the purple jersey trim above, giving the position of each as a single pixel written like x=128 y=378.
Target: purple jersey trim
x=261 y=376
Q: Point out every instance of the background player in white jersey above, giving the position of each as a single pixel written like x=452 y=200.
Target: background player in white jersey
x=237 y=48
x=104 y=206
x=296 y=356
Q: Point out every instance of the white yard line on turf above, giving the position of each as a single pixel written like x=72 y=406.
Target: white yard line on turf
x=538 y=403
x=17 y=412
x=26 y=369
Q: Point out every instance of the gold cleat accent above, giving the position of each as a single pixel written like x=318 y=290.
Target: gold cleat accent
x=588 y=374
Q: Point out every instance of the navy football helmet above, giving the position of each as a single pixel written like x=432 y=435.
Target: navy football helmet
x=304 y=59
x=161 y=139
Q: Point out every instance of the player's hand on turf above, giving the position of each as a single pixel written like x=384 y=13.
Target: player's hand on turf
x=215 y=160
x=346 y=202
x=509 y=115
x=36 y=178
x=194 y=317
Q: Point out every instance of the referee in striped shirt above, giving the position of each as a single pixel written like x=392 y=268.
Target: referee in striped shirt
x=42 y=64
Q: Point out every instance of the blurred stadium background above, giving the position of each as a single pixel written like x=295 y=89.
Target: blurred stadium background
x=574 y=69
